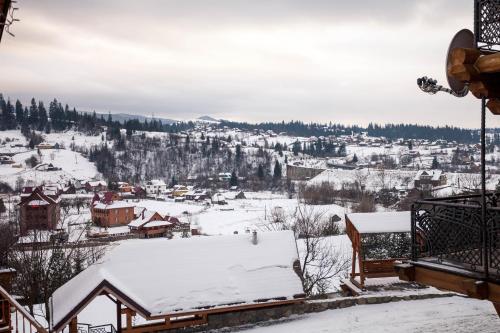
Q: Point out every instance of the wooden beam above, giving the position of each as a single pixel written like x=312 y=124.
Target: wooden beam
x=450 y=280
x=224 y=309
x=353 y=263
x=475 y=289
x=461 y=64
x=494 y=106
x=463 y=72
x=73 y=325
x=488 y=87
x=497 y=308
x=462 y=56
x=119 y=317
x=488 y=63
x=406 y=272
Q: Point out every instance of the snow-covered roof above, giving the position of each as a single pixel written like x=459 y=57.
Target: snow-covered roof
x=156 y=182
x=38 y=203
x=383 y=222
x=159 y=223
x=114 y=205
x=230 y=270
x=433 y=174
x=143 y=218
x=97 y=183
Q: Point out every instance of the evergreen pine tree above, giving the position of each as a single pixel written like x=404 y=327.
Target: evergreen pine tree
x=19 y=113
x=277 y=170
x=234 y=179
x=3 y=209
x=33 y=114
x=42 y=114
x=260 y=172
x=435 y=163
x=9 y=116
x=238 y=154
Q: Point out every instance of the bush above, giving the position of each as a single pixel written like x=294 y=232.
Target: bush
x=32 y=161
x=366 y=205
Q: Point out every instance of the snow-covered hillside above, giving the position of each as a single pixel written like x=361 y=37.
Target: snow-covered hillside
x=73 y=166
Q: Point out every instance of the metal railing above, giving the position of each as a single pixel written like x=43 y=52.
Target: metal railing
x=86 y=328
x=15 y=318
x=451 y=232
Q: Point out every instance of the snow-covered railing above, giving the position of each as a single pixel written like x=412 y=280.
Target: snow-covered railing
x=15 y=318
x=451 y=232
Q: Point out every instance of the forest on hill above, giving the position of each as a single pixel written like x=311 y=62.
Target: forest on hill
x=56 y=117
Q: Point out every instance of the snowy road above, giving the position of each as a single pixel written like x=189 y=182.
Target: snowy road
x=454 y=314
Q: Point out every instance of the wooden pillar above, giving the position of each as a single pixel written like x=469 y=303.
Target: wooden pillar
x=73 y=325
x=129 y=320
x=353 y=270
x=118 y=316
x=360 y=260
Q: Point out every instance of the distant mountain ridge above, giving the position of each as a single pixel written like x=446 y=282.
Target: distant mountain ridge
x=123 y=117
x=209 y=119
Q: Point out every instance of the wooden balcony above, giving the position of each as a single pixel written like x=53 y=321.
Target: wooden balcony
x=15 y=318
x=454 y=247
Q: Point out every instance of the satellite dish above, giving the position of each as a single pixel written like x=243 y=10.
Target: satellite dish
x=463 y=39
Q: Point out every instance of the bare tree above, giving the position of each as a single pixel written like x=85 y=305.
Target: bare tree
x=470 y=182
x=43 y=264
x=366 y=204
x=320 y=261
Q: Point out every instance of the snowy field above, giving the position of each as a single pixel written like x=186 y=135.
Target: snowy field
x=73 y=167
x=72 y=164
x=453 y=314
x=374 y=179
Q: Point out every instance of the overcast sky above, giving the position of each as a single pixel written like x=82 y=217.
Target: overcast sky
x=351 y=62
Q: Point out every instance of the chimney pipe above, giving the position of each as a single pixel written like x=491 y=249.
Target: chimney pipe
x=254 y=237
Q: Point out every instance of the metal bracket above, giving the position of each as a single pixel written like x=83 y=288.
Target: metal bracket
x=430 y=86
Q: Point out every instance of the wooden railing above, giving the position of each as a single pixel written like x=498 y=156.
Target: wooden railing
x=15 y=318
x=452 y=232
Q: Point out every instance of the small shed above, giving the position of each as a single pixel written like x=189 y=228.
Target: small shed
x=378 y=240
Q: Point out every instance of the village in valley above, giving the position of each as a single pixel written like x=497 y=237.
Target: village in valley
x=145 y=216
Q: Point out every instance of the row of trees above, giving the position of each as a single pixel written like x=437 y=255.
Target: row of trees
x=389 y=131
x=174 y=157
x=58 y=117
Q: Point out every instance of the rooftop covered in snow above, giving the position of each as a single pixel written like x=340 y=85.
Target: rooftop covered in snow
x=160 y=277
x=383 y=222
x=378 y=241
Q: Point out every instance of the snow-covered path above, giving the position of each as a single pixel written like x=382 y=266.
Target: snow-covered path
x=449 y=314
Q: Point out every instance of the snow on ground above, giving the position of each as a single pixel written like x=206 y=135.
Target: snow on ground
x=171 y=208
x=449 y=314
x=254 y=212
x=12 y=142
x=69 y=137
x=376 y=179
x=73 y=167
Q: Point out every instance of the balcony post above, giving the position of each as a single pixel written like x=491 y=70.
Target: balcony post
x=484 y=225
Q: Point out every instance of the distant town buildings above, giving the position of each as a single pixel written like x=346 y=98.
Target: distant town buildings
x=107 y=212
x=156 y=186
x=428 y=179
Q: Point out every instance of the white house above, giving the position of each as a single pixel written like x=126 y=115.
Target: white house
x=156 y=186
